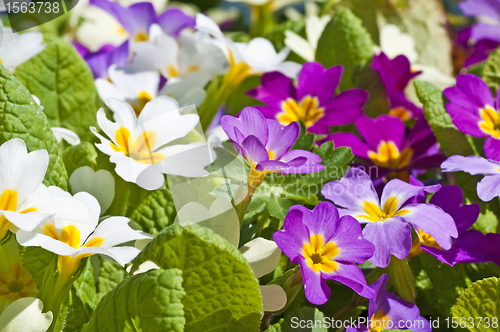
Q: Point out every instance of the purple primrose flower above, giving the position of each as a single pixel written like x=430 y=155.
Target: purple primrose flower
x=100 y=61
x=474 y=111
x=483 y=8
x=326 y=247
x=313 y=101
x=387 y=220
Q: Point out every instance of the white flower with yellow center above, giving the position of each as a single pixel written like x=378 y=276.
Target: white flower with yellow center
x=246 y=59
x=132 y=84
x=137 y=143
x=24 y=200
x=73 y=241
x=16 y=49
x=25 y=315
x=306 y=49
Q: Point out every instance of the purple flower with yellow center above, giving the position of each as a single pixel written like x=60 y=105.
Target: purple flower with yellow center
x=467 y=247
x=396 y=74
x=387 y=145
x=326 y=247
x=474 y=111
x=137 y=18
x=100 y=61
x=313 y=101
x=386 y=311
x=489 y=187
x=266 y=145
x=387 y=220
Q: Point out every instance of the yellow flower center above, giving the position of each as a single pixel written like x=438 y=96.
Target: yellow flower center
x=142 y=99
x=401 y=113
x=491 y=122
x=319 y=256
x=172 y=71
x=378 y=322
x=141 y=36
x=140 y=150
x=121 y=30
x=16 y=283
x=237 y=72
x=306 y=111
x=374 y=213
x=388 y=156
x=428 y=240
x=8 y=202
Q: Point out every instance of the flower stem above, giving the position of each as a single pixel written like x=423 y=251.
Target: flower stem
x=255 y=179
x=402 y=277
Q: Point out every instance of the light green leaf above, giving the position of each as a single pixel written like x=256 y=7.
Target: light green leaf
x=65 y=85
x=150 y=301
x=302 y=319
x=305 y=140
x=155 y=212
x=491 y=71
x=20 y=117
x=277 y=35
x=221 y=291
x=481 y=301
x=345 y=42
x=110 y=275
x=35 y=261
x=83 y=154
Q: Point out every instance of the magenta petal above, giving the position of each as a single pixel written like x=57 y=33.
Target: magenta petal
x=270 y=165
x=281 y=139
x=358 y=147
x=470 y=92
x=345 y=108
x=392 y=236
x=488 y=8
x=323 y=220
x=351 y=276
x=275 y=89
x=291 y=240
x=315 y=287
x=492 y=148
x=491 y=248
x=250 y=122
x=314 y=80
x=402 y=191
x=347 y=236
x=482 y=31
x=384 y=128
x=254 y=150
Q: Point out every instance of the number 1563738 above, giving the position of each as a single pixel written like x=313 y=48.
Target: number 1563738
x=32 y=7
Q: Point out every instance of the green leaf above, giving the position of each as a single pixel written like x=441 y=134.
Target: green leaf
x=110 y=275
x=83 y=154
x=150 y=301
x=82 y=300
x=65 y=85
x=277 y=36
x=221 y=291
x=155 y=212
x=345 y=42
x=35 y=261
x=21 y=117
x=302 y=319
x=481 y=301
x=305 y=140
x=491 y=71
x=378 y=102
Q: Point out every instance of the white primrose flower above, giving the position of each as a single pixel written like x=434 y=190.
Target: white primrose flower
x=245 y=59
x=137 y=143
x=25 y=315
x=66 y=134
x=73 y=241
x=16 y=49
x=263 y=255
x=24 y=200
x=307 y=48
x=132 y=84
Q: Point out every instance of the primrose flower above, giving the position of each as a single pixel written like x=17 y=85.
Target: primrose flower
x=73 y=241
x=489 y=187
x=471 y=52
x=136 y=143
x=474 y=111
x=16 y=49
x=387 y=145
x=467 y=247
x=24 y=200
x=387 y=220
x=386 y=311
x=265 y=144
x=15 y=281
x=25 y=315
x=100 y=61
x=313 y=101
x=489 y=11
x=65 y=134
x=326 y=247
x=247 y=59
x=306 y=48
x=137 y=18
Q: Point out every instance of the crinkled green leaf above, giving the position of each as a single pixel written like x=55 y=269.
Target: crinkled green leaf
x=481 y=301
x=221 y=291
x=65 y=85
x=345 y=42
x=155 y=212
x=150 y=301
x=83 y=154
x=20 y=117
x=110 y=275
x=491 y=71
x=277 y=36
x=35 y=261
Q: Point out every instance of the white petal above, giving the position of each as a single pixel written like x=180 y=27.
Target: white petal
x=115 y=230
x=25 y=315
x=157 y=108
x=127 y=168
x=263 y=255
x=186 y=160
x=204 y=23
x=299 y=45
x=131 y=82
x=260 y=54
x=122 y=255
x=123 y=113
x=393 y=43
x=314 y=29
x=106 y=90
x=32 y=239
x=144 y=267
x=100 y=184
x=66 y=134
x=21 y=48
x=273 y=298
